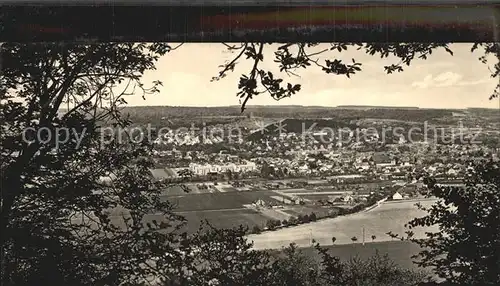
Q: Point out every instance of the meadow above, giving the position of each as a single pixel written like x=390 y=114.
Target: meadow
x=224 y=219
x=390 y=217
x=306 y=210
x=400 y=252
x=178 y=191
x=217 y=201
x=317 y=197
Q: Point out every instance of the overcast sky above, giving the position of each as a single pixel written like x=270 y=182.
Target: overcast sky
x=441 y=81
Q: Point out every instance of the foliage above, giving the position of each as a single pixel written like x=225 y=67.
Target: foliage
x=221 y=256
x=60 y=223
x=465 y=251
x=379 y=270
x=272 y=224
x=256 y=229
x=291 y=57
x=312 y=217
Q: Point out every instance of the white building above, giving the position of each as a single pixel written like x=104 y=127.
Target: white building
x=397 y=196
x=205 y=169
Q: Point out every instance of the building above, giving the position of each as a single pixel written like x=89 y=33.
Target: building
x=397 y=196
x=348 y=199
x=383 y=160
x=202 y=170
x=260 y=203
x=162 y=174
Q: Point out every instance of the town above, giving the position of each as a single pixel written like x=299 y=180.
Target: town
x=283 y=171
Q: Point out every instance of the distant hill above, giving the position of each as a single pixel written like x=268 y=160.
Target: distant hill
x=367 y=107
x=481 y=109
x=484 y=112
x=155 y=113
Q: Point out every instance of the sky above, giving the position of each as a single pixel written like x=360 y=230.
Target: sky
x=441 y=81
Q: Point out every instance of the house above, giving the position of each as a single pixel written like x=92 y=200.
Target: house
x=206 y=169
x=363 y=166
x=260 y=203
x=160 y=174
x=347 y=199
x=397 y=196
x=452 y=172
x=297 y=200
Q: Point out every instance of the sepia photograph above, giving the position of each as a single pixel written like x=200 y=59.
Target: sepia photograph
x=266 y=164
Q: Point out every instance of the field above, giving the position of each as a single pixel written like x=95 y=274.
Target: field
x=305 y=210
x=363 y=188
x=224 y=218
x=227 y=218
x=178 y=191
x=398 y=251
x=228 y=189
x=379 y=221
x=317 y=197
x=217 y=201
x=221 y=209
x=314 y=191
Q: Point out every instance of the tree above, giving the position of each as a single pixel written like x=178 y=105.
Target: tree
x=221 y=257
x=354 y=239
x=293 y=56
x=59 y=223
x=300 y=218
x=256 y=229
x=292 y=267
x=312 y=217
x=379 y=270
x=272 y=224
x=306 y=218
x=293 y=220
x=334 y=239
x=374 y=237
x=229 y=175
x=267 y=171
x=465 y=251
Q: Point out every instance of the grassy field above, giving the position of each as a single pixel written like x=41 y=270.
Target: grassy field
x=316 y=190
x=224 y=218
x=398 y=251
x=178 y=191
x=317 y=197
x=379 y=221
x=218 y=218
x=217 y=201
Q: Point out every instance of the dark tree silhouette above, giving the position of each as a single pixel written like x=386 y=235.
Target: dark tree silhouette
x=294 y=56
x=465 y=251
x=61 y=224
